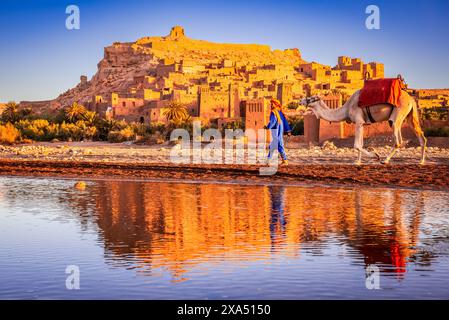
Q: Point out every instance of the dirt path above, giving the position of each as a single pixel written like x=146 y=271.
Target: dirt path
x=432 y=176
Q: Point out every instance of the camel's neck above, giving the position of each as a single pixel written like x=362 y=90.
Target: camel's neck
x=334 y=115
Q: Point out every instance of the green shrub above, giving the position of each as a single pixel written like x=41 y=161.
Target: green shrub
x=296 y=124
x=293 y=105
x=88 y=132
x=43 y=130
x=9 y=134
x=12 y=113
x=436 y=113
x=125 y=134
x=157 y=127
x=140 y=129
x=38 y=130
x=437 y=132
x=70 y=131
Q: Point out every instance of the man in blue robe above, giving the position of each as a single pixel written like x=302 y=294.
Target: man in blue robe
x=278 y=125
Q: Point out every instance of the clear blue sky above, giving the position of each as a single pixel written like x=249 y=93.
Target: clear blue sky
x=40 y=58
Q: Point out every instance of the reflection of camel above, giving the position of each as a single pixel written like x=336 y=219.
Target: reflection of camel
x=350 y=111
x=391 y=243
x=178 y=226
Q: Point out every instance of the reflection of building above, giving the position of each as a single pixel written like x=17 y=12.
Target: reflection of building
x=176 y=226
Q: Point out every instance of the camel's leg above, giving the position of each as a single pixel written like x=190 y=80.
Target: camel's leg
x=358 y=144
x=401 y=141
x=359 y=158
x=416 y=128
x=397 y=144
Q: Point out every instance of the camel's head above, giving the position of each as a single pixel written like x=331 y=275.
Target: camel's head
x=311 y=103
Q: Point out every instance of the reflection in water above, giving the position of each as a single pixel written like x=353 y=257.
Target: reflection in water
x=176 y=226
x=277 y=223
x=194 y=236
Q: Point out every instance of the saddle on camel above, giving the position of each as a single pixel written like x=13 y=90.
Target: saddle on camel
x=380 y=91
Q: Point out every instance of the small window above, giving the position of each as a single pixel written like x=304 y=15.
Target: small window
x=124 y=104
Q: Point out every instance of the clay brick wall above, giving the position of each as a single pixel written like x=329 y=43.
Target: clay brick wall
x=257 y=114
x=424 y=93
x=284 y=93
x=156 y=115
x=349 y=76
x=329 y=130
x=130 y=114
x=333 y=101
x=190 y=101
x=311 y=128
x=213 y=104
x=164 y=70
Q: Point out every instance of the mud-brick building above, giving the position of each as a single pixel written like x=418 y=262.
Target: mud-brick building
x=128 y=108
x=318 y=130
x=285 y=93
x=218 y=104
x=257 y=115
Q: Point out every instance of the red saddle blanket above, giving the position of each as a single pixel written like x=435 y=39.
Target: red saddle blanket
x=381 y=91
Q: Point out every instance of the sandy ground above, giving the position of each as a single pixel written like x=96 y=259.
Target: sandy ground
x=327 y=164
x=132 y=153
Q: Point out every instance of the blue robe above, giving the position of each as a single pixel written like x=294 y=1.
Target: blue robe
x=277 y=134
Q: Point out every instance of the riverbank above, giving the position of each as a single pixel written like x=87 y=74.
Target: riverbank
x=327 y=164
x=338 y=153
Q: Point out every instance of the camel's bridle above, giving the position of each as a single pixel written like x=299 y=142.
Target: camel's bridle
x=311 y=100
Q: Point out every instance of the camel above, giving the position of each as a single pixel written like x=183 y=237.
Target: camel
x=351 y=112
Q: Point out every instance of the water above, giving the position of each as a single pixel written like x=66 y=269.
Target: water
x=157 y=240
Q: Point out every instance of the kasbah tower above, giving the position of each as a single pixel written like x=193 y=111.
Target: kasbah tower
x=218 y=83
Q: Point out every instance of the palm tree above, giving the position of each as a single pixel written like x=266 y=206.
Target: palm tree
x=176 y=113
x=75 y=112
x=90 y=117
x=10 y=113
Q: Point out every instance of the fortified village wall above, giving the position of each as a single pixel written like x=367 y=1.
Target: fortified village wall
x=217 y=82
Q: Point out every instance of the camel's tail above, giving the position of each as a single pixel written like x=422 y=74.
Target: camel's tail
x=414 y=123
x=414 y=114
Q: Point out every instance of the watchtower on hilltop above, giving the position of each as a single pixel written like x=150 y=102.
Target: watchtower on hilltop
x=176 y=32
